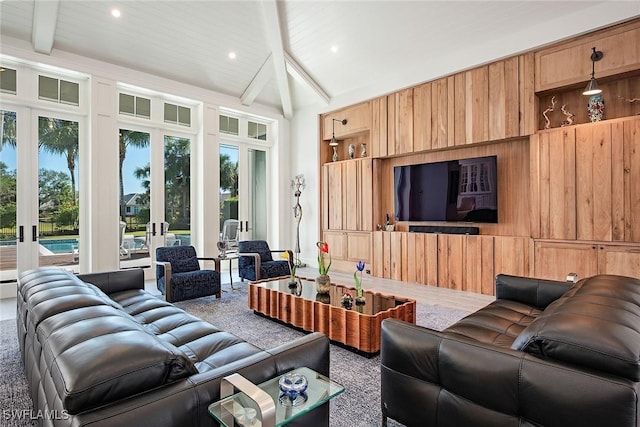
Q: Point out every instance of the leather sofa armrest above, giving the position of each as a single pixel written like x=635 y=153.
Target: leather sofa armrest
x=538 y=293
x=311 y=350
x=110 y=282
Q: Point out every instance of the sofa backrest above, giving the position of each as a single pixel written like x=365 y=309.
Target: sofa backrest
x=94 y=351
x=596 y=324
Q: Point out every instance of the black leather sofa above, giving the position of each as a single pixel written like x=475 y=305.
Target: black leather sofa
x=543 y=353
x=98 y=350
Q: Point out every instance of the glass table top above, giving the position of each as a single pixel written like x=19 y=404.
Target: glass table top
x=306 y=288
x=240 y=410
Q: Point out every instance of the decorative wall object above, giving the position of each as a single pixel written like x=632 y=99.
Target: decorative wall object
x=630 y=101
x=335 y=157
x=297 y=185
x=352 y=151
x=568 y=121
x=547 y=122
x=595 y=108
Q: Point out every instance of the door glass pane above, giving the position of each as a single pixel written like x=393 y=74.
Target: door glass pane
x=228 y=183
x=177 y=192
x=135 y=186
x=258 y=194
x=8 y=169
x=58 y=189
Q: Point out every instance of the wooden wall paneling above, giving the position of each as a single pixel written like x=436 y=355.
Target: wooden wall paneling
x=617 y=182
x=404 y=116
x=477 y=109
x=431 y=259
x=528 y=102
x=593 y=186
x=451 y=261
x=379 y=127
x=422 y=117
x=632 y=180
x=622 y=260
x=478 y=267
x=324 y=198
x=562 y=182
x=554 y=260
x=415 y=257
x=439 y=113
x=569 y=63
x=511 y=255
x=392 y=123
x=358 y=247
x=451 y=110
x=405 y=251
x=388 y=254
x=350 y=183
x=459 y=136
x=337 y=244
x=396 y=258
x=377 y=254
x=507 y=107
x=335 y=196
x=497 y=102
x=534 y=185
x=365 y=202
x=358 y=121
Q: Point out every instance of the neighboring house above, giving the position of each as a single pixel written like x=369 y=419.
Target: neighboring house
x=133 y=204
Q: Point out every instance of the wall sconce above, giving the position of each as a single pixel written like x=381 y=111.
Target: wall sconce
x=592 y=86
x=334 y=141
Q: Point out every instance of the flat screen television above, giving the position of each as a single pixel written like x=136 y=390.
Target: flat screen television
x=463 y=190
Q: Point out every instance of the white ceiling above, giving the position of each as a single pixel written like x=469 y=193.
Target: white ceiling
x=378 y=41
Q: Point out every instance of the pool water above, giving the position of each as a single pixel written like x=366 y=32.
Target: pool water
x=60 y=246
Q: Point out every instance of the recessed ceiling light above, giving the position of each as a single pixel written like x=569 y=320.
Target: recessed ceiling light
x=115 y=13
x=232 y=55
x=334 y=48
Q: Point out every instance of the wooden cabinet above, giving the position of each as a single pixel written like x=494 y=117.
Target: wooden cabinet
x=358 y=121
x=432 y=103
x=554 y=260
x=569 y=63
x=347 y=248
x=400 y=122
x=583 y=182
x=378 y=136
x=348 y=195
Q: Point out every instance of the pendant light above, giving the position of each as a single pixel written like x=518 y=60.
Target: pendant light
x=592 y=87
x=334 y=141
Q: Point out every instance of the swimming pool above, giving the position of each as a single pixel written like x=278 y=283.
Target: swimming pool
x=60 y=246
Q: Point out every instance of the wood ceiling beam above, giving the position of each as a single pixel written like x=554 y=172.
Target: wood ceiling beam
x=301 y=76
x=45 y=18
x=258 y=82
x=274 y=39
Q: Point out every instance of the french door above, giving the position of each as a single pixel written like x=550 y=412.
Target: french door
x=155 y=191
x=243 y=188
x=40 y=169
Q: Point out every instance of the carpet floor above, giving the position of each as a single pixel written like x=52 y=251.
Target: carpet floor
x=359 y=406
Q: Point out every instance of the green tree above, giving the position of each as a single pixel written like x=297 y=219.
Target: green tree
x=7 y=197
x=60 y=137
x=54 y=191
x=129 y=138
x=7 y=128
x=177 y=177
x=228 y=175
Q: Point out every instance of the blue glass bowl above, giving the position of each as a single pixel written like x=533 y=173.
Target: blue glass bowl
x=292 y=389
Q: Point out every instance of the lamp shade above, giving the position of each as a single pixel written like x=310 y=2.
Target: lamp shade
x=592 y=87
x=333 y=142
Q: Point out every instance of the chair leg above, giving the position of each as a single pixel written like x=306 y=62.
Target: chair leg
x=218 y=294
x=384 y=421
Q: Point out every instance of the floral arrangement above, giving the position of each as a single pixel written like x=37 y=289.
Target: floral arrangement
x=346 y=300
x=323 y=250
x=359 y=268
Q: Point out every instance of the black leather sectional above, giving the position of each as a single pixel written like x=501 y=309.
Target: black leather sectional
x=543 y=354
x=98 y=350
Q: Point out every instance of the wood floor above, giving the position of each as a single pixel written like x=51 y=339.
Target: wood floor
x=422 y=293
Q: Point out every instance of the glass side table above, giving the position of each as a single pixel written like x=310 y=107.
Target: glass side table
x=261 y=405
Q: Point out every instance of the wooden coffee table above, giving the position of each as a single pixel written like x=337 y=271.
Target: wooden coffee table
x=357 y=328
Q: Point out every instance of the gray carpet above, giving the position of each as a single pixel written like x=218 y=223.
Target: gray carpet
x=359 y=406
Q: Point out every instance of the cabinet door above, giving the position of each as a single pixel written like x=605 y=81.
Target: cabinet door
x=400 y=122
x=337 y=244
x=350 y=205
x=478 y=273
x=379 y=127
x=555 y=260
x=422 y=116
x=334 y=196
x=442 y=96
x=504 y=108
x=365 y=195
x=358 y=121
x=511 y=255
x=358 y=247
x=629 y=173
x=451 y=261
x=422 y=258
x=621 y=260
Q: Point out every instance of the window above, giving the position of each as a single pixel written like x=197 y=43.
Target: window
x=177 y=114
x=229 y=125
x=135 y=106
x=257 y=131
x=62 y=91
x=8 y=80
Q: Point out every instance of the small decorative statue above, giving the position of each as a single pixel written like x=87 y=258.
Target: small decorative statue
x=335 y=157
x=568 y=121
x=547 y=124
x=363 y=150
x=352 y=151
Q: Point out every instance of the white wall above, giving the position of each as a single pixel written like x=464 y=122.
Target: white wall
x=304 y=125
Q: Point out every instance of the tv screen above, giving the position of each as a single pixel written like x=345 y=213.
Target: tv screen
x=463 y=190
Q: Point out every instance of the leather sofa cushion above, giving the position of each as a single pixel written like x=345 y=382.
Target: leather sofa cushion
x=596 y=324
x=99 y=354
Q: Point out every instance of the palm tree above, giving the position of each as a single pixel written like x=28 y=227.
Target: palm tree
x=228 y=174
x=129 y=138
x=7 y=128
x=59 y=136
x=177 y=166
